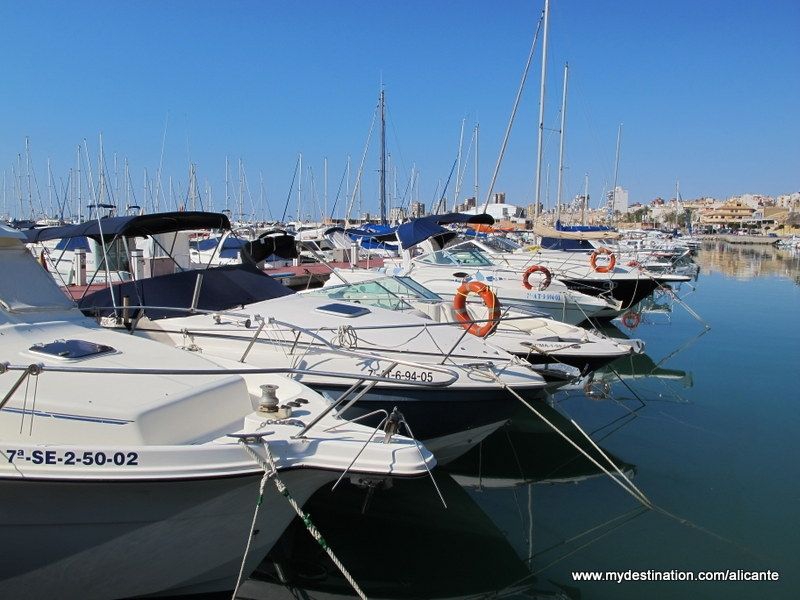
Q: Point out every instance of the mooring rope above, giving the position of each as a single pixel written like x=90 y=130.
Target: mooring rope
x=271 y=472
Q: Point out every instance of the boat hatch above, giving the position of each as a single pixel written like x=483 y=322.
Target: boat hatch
x=71 y=349
x=343 y=310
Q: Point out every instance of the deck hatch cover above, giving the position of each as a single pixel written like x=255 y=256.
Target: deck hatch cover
x=343 y=310
x=71 y=349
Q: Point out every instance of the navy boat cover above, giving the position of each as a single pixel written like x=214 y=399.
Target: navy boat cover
x=223 y=288
x=133 y=226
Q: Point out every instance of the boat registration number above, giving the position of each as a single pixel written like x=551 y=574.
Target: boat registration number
x=545 y=296
x=422 y=376
x=71 y=458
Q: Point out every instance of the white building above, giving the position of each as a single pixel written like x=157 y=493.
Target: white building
x=619 y=200
x=500 y=212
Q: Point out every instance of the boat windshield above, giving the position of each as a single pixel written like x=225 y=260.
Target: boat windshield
x=457 y=256
x=500 y=244
x=386 y=292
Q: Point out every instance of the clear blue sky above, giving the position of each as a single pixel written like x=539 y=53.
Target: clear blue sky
x=708 y=92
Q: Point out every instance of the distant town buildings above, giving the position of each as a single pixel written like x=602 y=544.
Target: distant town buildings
x=505 y=215
x=755 y=212
x=397 y=214
x=417 y=210
x=618 y=200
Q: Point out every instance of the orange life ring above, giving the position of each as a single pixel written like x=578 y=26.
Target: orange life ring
x=489 y=299
x=631 y=319
x=548 y=277
x=612 y=260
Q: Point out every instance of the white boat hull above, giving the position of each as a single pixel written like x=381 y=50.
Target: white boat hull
x=75 y=539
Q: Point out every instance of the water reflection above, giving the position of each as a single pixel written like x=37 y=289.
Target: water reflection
x=745 y=261
x=406 y=545
x=643 y=366
x=528 y=450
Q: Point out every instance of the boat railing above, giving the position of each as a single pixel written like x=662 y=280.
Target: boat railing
x=248 y=319
x=37 y=369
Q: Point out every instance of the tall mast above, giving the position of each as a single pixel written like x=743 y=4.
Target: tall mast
x=28 y=173
x=561 y=143
x=325 y=190
x=80 y=188
x=49 y=188
x=541 y=114
x=227 y=194
x=457 y=189
x=18 y=183
x=261 y=195
x=383 y=159
x=477 y=129
x=616 y=173
x=241 y=192
x=299 y=187
x=101 y=177
x=126 y=177
x=116 y=177
x=347 y=187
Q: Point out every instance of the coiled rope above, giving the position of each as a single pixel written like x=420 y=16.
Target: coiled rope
x=346 y=337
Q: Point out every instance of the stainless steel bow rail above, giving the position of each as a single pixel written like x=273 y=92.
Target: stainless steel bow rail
x=36 y=369
x=247 y=319
x=31 y=370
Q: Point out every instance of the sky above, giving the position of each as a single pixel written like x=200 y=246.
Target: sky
x=706 y=93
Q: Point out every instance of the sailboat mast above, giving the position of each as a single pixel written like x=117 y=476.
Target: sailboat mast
x=561 y=143
x=49 y=189
x=127 y=182
x=227 y=178
x=299 y=187
x=80 y=187
x=28 y=173
x=477 y=130
x=616 y=174
x=457 y=189
x=241 y=192
x=541 y=114
x=383 y=159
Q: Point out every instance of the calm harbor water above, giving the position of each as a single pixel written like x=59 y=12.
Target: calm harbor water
x=706 y=425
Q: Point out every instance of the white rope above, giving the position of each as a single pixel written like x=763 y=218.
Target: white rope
x=267 y=475
x=346 y=337
x=271 y=472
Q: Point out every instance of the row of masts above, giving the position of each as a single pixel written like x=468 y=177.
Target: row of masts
x=193 y=199
x=79 y=195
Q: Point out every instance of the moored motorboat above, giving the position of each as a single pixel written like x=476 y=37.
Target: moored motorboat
x=130 y=468
x=535 y=338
